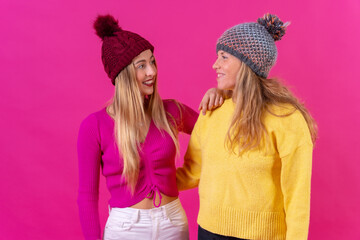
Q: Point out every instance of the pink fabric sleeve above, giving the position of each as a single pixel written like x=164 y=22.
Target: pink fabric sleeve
x=89 y=157
x=184 y=116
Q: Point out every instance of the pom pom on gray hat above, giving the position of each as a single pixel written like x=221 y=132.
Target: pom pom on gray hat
x=273 y=25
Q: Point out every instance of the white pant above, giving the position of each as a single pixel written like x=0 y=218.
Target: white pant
x=167 y=222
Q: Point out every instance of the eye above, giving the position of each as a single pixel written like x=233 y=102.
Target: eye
x=224 y=57
x=141 y=66
x=153 y=62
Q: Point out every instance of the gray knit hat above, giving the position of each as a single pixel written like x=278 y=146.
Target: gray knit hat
x=254 y=43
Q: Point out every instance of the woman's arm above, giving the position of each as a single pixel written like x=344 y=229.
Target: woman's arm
x=89 y=157
x=188 y=175
x=295 y=184
x=295 y=150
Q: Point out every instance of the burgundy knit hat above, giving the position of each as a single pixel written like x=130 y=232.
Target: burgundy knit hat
x=119 y=47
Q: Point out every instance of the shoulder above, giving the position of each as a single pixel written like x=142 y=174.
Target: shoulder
x=287 y=120
x=183 y=116
x=216 y=120
x=92 y=120
x=286 y=115
x=176 y=108
x=281 y=109
x=226 y=110
x=173 y=108
x=171 y=105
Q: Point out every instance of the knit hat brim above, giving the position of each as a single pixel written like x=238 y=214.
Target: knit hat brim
x=242 y=58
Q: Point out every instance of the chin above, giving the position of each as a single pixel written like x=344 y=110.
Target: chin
x=220 y=86
x=149 y=93
x=225 y=87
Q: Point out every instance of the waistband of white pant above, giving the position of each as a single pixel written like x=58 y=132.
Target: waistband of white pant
x=160 y=211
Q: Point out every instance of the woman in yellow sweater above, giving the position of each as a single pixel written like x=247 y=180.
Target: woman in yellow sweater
x=252 y=157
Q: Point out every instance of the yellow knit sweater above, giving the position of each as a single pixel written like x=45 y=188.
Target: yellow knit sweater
x=262 y=194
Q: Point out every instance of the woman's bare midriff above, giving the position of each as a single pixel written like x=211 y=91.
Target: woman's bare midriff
x=148 y=203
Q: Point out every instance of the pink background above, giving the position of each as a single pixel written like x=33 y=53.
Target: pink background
x=52 y=77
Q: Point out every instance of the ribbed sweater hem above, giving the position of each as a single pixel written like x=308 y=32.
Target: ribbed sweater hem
x=240 y=223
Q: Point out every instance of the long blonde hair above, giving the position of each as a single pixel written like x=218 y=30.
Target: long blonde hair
x=252 y=96
x=129 y=111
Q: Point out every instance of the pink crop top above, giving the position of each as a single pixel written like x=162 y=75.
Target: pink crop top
x=97 y=147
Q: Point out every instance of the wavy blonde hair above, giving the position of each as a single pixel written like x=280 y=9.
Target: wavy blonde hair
x=129 y=111
x=252 y=96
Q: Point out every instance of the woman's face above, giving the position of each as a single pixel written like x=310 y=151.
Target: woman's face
x=145 y=72
x=227 y=68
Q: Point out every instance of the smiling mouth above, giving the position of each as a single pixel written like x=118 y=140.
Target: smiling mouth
x=149 y=83
x=219 y=75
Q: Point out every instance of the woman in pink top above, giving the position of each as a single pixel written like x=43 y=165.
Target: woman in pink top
x=134 y=141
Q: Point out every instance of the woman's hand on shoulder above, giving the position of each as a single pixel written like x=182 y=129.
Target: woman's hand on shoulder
x=212 y=99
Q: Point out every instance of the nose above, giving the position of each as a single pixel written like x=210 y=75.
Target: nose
x=151 y=70
x=215 y=65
